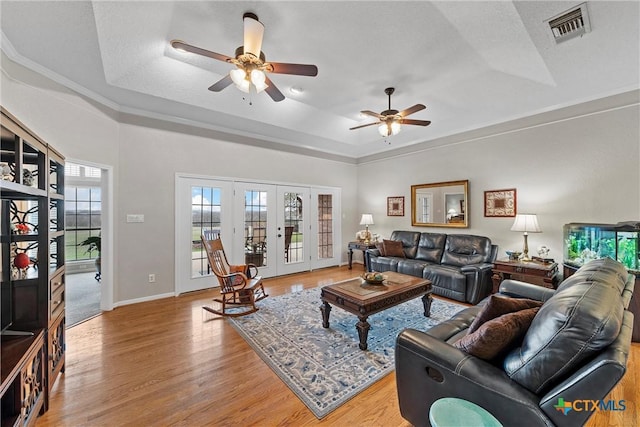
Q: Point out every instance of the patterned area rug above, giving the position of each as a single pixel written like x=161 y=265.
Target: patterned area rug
x=325 y=367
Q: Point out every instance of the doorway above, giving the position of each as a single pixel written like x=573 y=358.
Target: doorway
x=87 y=214
x=279 y=228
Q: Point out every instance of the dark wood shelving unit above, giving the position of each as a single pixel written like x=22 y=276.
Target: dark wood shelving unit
x=32 y=195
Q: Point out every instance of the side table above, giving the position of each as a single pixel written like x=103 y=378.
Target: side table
x=360 y=246
x=533 y=272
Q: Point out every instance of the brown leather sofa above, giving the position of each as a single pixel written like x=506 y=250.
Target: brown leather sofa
x=458 y=265
x=574 y=351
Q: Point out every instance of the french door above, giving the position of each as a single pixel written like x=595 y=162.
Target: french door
x=201 y=204
x=274 y=225
x=293 y=232
x=282 y=229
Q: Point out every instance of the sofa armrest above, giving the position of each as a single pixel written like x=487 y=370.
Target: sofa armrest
x=479 y=283
x=518 y=289
x=485 y=266
x=373 y=252
x=428 y=369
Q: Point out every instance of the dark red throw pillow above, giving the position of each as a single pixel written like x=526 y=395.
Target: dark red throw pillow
x=497 y=306
x=380 y=247
x=393 y=248
x=498 y=335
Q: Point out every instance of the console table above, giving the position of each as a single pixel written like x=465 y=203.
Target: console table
x=360 y=246
x=544 y=274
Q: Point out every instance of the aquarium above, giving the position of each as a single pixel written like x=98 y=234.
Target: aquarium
x=586 y=242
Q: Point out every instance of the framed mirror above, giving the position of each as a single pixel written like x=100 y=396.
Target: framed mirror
x=441 y=204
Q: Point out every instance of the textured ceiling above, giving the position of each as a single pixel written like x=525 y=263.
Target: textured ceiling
x=473 y=64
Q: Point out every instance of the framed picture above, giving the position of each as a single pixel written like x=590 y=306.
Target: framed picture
x=395 y=206
x=500 y=202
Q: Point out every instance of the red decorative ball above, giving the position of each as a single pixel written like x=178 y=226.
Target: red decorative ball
x=21 y=260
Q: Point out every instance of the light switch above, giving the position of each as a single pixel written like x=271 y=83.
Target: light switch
x=135 y=218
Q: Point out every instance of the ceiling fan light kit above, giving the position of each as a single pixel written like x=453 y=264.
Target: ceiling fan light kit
x=250 y=62
x=390 y=127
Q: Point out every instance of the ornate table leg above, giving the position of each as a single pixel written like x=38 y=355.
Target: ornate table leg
x=325 y=309
x=363 y=331
x=427 y=299
x=350 y=258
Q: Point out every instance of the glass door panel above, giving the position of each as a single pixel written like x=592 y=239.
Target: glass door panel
x=201 y=205
x=205 y=215
x=293 y=229
x=325 y=227
x=255 y=228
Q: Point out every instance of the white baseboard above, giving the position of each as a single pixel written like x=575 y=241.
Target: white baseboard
x=143 y=299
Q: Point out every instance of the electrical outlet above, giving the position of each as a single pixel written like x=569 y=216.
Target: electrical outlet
x=152 y=278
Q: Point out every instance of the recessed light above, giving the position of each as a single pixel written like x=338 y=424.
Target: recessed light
x=297 y=90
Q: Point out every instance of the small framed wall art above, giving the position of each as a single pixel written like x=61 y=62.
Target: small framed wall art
x=395 y=206
x=500 y=203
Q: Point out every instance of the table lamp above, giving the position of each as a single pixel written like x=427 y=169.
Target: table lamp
x=528 y=223
x=367 y=220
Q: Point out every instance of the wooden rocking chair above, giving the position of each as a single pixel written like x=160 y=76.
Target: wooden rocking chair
x=239 y=284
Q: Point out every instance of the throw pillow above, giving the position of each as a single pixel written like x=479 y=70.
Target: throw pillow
x=497 y=335
x=380 y=247
x=393 y=248
x=497 y=306
x=237 y=280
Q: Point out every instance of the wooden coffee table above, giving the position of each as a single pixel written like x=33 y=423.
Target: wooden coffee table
x=362 y=299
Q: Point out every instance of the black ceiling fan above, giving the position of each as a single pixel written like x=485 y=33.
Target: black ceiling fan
x=250 y=62
x=390 y=120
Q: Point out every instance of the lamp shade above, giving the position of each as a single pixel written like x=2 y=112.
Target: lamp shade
x=527 y=223
x=367 y=219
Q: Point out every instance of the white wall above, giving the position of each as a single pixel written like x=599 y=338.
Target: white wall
x=584 y=169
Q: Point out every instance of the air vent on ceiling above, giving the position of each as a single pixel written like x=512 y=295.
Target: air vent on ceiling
x=570 y=24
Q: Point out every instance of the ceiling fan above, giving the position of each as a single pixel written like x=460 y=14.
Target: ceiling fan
x=250 y=62
x=390 y=121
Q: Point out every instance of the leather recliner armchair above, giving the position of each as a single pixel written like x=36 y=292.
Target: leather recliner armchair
x=575 y=350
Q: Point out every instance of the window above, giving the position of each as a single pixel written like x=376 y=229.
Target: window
x=82 y=214
x=325 y=226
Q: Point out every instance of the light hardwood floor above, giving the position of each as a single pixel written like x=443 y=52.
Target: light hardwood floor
x=169 y=363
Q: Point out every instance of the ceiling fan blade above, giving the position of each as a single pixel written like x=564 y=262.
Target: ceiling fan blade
x=411 y=110
x=273 y=91
x=221 y=84
x=415 y=122
x=371 y=113
x=253 y=32
x=180 y=45
x=296 y=69
x=364 y=126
